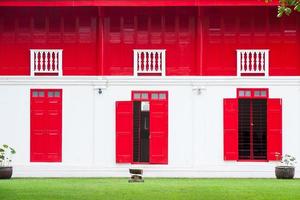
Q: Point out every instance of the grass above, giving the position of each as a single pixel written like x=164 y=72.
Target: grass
x=152 y=188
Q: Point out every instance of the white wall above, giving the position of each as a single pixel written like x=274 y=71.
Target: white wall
x=195 y=124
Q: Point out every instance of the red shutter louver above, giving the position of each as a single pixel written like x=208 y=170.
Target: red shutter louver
x=46 y=125
x=274 y=130
x=230 y=129
x=159 y=132
x=124 y=131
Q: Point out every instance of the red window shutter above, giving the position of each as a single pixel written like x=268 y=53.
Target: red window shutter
x=54 y=127
x=124 y=131
x=230 y=129
x=159 y=132
x=46 y=126
x=274 y=134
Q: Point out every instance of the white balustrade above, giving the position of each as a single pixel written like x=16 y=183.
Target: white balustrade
x=45 y=61
x=149 y=61
x=252 y=62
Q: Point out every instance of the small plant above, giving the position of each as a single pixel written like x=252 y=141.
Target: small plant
x=6 y=153
x=286 y=160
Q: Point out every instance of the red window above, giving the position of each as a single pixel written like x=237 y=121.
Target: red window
x=142 y=128
x=252 y=126
x=46 y=125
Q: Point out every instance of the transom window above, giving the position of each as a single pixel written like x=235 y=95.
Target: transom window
x=149 y=95
x=252 y=93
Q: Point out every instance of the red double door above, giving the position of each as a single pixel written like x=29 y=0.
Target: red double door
x=158 y=132
x=273 y=121
x=46 y=125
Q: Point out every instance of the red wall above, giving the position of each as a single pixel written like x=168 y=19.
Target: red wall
x=172 y=29
x=228 y=29
x=100 y=41
x=73 y=30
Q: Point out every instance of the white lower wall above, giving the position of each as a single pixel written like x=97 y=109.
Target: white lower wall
x=195 y=124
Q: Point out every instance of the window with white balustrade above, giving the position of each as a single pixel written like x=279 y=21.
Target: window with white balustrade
x=46 y=62
x=252 y=62
x=149 y=62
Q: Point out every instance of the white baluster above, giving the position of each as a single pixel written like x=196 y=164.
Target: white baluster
x=159 y=68
x=37 y=61
x=154 y=60
x=258 y=68
x=41 y=61
x=50 y=61
x=150 y=61
x=248 y=61
x=163 y=62
x=140 y=61
x=252 y=61
x=262 y=61
x=266 y=69
x=55 y=60
x=46 y=61
x=145 y=61
x=243 y=63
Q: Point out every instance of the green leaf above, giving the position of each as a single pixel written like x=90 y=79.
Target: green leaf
x=297 y=8
x=12 y=151
x=1 y=150
x=288 y=11
x=5 y=146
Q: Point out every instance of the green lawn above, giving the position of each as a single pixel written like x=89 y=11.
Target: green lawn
x=154 y=189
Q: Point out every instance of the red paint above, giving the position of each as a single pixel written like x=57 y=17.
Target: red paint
x=137 y=3
x=124 y=131
x=127 y=29
x=227 y=29
x=100 y=41
x=158 y=150
x=46 y=125
x=274 y=125
x=274 y=128
x=159 y=132
x=72 y=30
x=230 y=129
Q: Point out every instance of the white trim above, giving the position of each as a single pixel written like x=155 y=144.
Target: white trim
x=106 y=81
x=222 y=171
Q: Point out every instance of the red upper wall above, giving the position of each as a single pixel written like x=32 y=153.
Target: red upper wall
x=136 y=3
x=73 y=30
x=135 y=28
x=100 y=41
x=249 y=28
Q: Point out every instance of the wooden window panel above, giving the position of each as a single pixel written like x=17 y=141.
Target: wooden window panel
x=128 y=29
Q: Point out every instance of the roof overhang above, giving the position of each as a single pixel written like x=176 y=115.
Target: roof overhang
x=137 y=3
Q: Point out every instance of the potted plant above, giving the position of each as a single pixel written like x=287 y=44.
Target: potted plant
x=286 y=168
x=6 y=153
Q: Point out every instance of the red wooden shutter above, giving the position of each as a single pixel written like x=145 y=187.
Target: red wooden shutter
x=54 y=126
x=46 y=125
x=159 y=132
x=37 y=126
x=124 y=131
x=230 y=129
x=274 y=130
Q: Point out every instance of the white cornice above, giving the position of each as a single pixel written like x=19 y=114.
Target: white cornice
x=107 y=81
